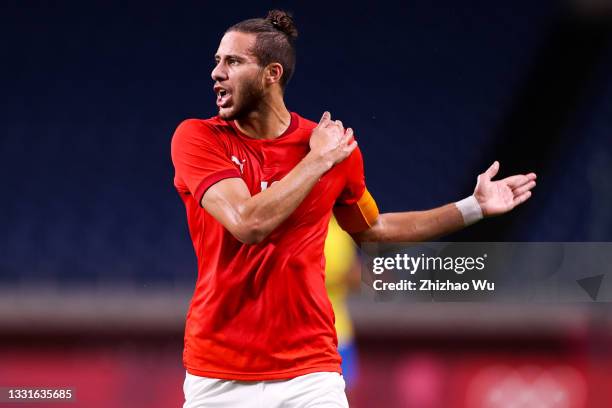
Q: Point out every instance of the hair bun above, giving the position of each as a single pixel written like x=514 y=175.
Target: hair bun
x=282 y=21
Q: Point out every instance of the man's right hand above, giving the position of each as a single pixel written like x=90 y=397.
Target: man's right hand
x=330 y=142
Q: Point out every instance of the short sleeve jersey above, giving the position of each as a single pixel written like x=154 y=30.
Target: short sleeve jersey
x=259 y=312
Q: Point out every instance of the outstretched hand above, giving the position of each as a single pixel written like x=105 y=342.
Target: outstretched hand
x=500 y=196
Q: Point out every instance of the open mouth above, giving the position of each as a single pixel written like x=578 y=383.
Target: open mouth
x=223 y=97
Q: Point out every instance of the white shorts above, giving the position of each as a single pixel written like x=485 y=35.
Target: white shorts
x=316 y=390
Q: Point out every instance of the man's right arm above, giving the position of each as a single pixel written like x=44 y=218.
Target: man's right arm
x=251 y=218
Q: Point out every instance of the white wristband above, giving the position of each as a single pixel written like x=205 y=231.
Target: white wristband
x=470 y=210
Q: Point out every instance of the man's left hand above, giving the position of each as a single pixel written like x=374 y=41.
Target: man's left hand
x=500 y=196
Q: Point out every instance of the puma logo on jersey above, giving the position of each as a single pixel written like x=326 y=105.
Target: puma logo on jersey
x=239 y=163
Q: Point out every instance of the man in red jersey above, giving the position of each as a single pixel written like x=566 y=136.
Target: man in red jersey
x=259 y=185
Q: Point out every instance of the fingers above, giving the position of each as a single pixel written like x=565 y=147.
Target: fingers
x=521 y=198
x=326 y=121
x=516 y=181
x=340 y=125
x=325 y=118
x=348 y=143
x=348 y=135
x=492 y=171
x=519 y=180
x=524 y=188
x=351 y=147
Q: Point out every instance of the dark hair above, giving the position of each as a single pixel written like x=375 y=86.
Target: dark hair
x=275 y=40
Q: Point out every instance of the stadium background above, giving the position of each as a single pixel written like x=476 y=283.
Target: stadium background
x=96 y=267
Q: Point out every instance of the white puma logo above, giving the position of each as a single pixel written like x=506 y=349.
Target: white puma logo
x=239 y=163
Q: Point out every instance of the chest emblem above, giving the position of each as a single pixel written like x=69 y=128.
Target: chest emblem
x=239 y=163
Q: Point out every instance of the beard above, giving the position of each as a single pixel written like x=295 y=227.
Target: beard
x=246 y=99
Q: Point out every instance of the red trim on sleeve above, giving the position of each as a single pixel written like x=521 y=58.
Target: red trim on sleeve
x=212 y=179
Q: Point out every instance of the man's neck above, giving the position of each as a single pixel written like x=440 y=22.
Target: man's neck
x=268 y=122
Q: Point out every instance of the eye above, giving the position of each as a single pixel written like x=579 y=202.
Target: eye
x=232 y=61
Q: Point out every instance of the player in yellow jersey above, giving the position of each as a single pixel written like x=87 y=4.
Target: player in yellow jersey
x=342 y=275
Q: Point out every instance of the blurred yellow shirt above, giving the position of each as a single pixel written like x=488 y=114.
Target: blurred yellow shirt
x=340 y=255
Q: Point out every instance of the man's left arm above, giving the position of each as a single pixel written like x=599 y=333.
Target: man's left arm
x=490 y=198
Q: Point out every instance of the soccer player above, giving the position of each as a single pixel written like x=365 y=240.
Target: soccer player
x=342 y=275
x=259 y=184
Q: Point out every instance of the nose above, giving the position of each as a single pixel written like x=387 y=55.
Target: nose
x=218 y=73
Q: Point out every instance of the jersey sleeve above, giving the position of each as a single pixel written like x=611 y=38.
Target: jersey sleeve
x=355 y=208
x=200 y=159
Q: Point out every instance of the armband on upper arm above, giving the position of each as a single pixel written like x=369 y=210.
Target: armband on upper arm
x=358 y=216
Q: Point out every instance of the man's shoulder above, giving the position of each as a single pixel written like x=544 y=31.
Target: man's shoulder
x=202 y=125
x=213 y=127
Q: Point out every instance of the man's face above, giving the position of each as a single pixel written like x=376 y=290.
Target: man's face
x=237 y=76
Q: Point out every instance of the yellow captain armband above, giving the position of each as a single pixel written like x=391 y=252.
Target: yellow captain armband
x=358 y=216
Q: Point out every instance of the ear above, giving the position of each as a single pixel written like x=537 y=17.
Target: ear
x=273 y=73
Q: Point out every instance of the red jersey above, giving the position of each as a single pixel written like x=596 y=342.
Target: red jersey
x=259 y=312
